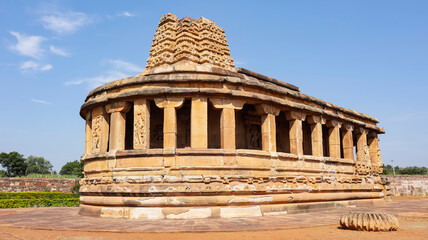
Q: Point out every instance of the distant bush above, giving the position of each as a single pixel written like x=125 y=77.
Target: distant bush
x=76 y=188
x=25 y=203
x=35 y=175
x=72 y=168
x=38 y=199
x=387 y=170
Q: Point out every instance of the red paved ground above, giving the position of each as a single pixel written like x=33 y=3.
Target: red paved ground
x=65 y=223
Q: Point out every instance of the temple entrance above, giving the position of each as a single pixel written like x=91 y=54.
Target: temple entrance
x=156 y=126
x=282 y=133
x=183 y=125
x=248 y=128
x=214 y=135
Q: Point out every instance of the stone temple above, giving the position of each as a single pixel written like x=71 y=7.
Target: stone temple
x=194 y=137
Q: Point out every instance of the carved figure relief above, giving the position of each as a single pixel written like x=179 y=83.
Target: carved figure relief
x=367 y=154
x=140 y=129
x=96 y=134
x=254 y=137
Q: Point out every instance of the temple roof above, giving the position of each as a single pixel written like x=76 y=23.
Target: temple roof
x=200 y=41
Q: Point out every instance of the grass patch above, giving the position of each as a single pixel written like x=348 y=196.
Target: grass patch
x=38 y=199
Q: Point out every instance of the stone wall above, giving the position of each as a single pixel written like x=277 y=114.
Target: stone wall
x=36 y=184
x=407 y=185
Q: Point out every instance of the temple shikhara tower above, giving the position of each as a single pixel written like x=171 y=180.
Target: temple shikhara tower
x=194 y=137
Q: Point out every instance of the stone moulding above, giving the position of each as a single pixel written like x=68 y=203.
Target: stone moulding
x=369 y=222
x=193 y=137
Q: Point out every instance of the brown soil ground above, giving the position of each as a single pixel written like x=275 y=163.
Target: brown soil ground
x=410 y=228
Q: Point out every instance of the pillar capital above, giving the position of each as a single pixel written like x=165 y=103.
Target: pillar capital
x=361 y=130
x=348 y=127
x=267 y=109
x=169 y=102
x=312 y=119
x=333 y=123
x=294 y=115
x=118 y=107
x=221 y=103
x=88 y=115
x=372 y=134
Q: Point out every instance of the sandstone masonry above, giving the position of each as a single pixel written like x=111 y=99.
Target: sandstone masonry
x=36 y=184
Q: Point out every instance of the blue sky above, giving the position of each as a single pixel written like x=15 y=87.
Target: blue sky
x=370 y=56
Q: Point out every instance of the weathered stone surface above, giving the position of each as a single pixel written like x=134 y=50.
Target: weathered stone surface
x=369 y=222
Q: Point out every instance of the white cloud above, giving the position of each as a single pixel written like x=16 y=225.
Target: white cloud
x=46 y=67
x=63 y=23
x=59 y=51
x=126 y=14
x=28 y=45
x=31 y=65
x=40 y=101
x=116 y=69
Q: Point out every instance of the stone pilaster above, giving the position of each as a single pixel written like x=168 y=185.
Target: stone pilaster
x=227 y=120
x=373 y=142
x=334 y=138
x=141 y=124
x=316 y=134
x=117 y=111
x=100 y=130
x=348 y=142
x=296 y=133
x=268 y=126
x=169 y=105
x=88 y=133
x=199 y=123
x=361 y=144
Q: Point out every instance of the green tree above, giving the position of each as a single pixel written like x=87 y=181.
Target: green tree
x=38 y=165
x=72 y=168
x=14 y=163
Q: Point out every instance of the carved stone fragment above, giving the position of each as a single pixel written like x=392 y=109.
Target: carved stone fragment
x=369 y=222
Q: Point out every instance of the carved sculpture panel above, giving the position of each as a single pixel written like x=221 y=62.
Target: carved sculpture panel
x=96 y=134
x=140 y=129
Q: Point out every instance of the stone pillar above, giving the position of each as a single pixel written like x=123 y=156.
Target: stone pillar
x=117 y=112
x=88 y=133
x=100 y=130
x=199 y=123
x=373 y=142
x=296 y=134
x=348 y=142
x=361 y=144
x=169 y=105
x=316 y=135
x=268 y=113
x=227 y=120
x=141 y=124
x=334 y=138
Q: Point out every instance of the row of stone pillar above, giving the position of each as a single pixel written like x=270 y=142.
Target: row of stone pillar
x=97 y=128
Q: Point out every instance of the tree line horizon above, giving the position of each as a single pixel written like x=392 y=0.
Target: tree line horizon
x=16 y=165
